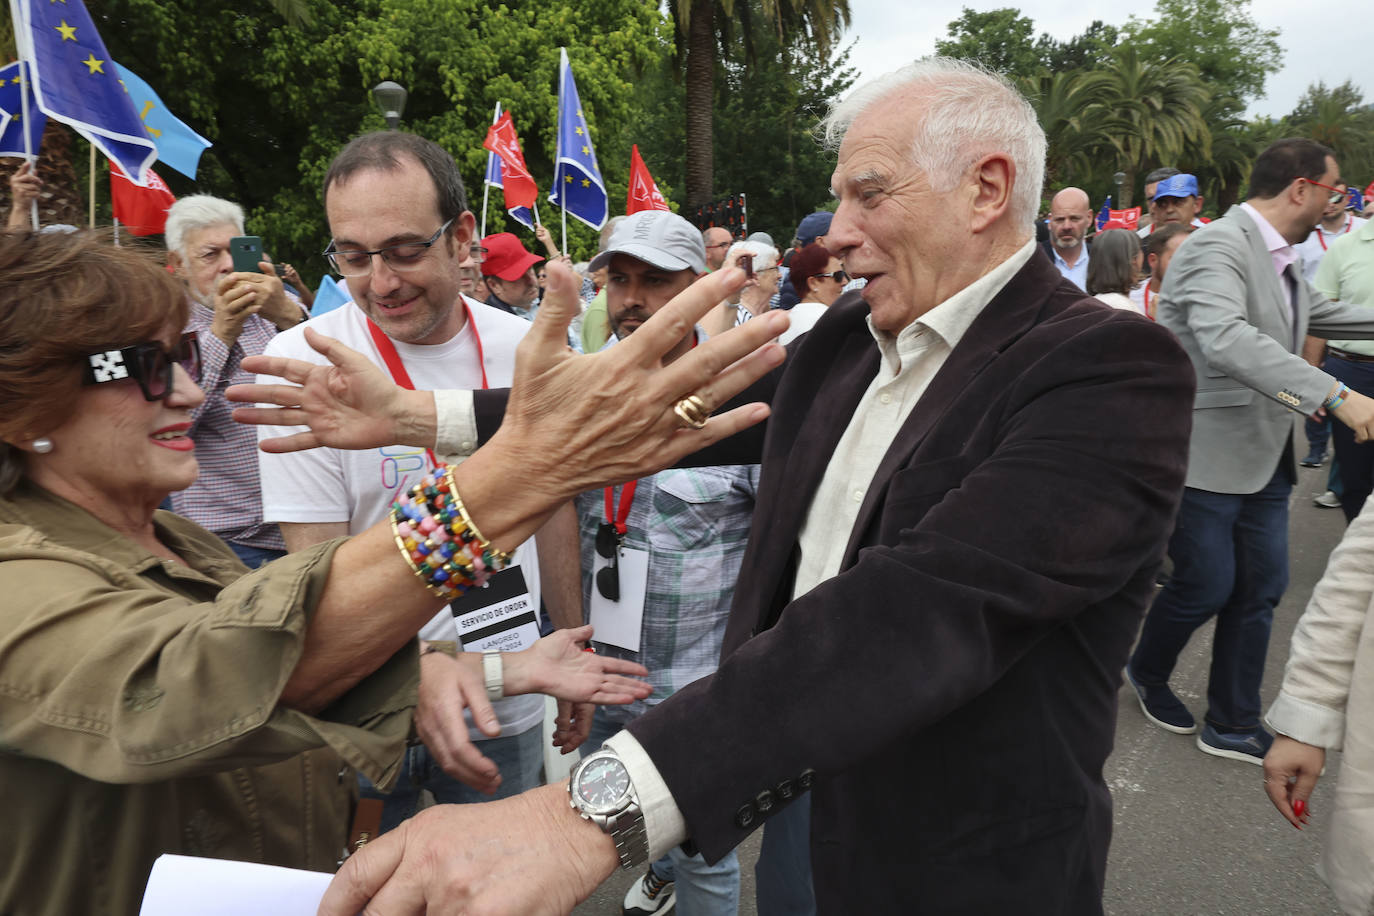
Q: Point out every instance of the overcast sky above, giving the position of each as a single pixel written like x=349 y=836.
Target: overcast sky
x=890 y=34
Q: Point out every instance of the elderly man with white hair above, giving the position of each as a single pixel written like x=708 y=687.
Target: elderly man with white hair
x=233 y=315
x=959 y=521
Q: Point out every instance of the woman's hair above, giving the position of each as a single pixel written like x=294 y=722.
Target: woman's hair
x=1111 y=263
x=806 y=263
x=765 y=256
x=66 y=295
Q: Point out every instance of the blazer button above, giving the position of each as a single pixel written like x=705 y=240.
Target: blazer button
x=807 y=779
x=787 y=790
x=745 y=816
x=765 y=802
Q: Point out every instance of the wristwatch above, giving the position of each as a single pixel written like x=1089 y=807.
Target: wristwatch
x=600 y=791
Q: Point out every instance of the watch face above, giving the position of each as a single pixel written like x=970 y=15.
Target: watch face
x=602 y=783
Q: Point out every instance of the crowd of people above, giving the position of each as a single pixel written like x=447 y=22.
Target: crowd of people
x=791 y=536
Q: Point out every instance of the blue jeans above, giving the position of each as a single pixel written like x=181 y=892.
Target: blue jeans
x=520 y=759
x=253 y=557
x=782 y=874
x=702 y=890
x=1230 y=556
x=1356 y=459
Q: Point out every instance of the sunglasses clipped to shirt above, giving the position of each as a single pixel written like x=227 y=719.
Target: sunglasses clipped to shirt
x=149 y=364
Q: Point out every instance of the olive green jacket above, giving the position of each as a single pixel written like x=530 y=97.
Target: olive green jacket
x=139 y=716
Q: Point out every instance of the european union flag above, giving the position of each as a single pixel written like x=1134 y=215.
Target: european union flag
x=75 y=82
x=577 y=185
x=1104 y=214
x=12 y=87
x=178 y=147
x=521 y=215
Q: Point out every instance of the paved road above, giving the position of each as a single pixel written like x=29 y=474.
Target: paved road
x=1194 y=834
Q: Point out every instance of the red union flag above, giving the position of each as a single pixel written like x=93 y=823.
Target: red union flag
x=518 y=183
x=644 y=194
x=143 y=211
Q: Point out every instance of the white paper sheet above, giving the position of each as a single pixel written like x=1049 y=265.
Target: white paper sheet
x=618 y=623
x=214 y=887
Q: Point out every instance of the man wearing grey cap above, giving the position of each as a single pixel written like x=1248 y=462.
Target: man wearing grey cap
x=678 y=539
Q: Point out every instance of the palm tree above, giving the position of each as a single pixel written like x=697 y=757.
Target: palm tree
x=1075 y=109
x=1234 y=147
x=1159 y=107
x=702 y=25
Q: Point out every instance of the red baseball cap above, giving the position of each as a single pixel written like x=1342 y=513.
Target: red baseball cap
x=506 y=257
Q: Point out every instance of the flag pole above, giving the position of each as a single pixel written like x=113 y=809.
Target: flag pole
x=558 y=148
x=92 y=185
x=486 y=188
x=25 y=89
x=116 y=230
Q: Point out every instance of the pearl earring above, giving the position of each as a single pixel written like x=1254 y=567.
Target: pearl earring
x=42 y=445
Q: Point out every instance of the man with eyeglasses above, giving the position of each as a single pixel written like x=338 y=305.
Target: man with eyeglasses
x=233 y=315
x=660 y=555
x=717 y=241
x=402 y=233
x=1236 y=299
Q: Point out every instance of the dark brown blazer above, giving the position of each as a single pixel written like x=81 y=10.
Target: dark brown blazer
x=950 y=696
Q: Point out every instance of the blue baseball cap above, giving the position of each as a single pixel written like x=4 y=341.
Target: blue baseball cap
x=813 y=226
x=1181 y=185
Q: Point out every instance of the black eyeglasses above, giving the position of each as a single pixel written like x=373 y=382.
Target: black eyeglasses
x=608 y=577
x=354 y=262
x=838 y=276
x=149 y=364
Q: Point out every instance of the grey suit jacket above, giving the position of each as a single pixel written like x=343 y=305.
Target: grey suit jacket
x=1225 y=303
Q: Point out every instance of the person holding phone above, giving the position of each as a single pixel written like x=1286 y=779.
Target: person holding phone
x=237 y=305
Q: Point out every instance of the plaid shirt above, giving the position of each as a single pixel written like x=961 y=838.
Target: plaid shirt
x=694 y=522
x=226 y=497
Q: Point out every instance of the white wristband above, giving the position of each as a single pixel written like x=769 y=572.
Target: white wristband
x=491 y=673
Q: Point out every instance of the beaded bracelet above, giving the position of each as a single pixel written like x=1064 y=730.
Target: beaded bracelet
x=1337 y=399
x=438 y=540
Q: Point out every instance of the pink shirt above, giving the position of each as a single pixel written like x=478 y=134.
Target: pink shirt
x=1282 y=253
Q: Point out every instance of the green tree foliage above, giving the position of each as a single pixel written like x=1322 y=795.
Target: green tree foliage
x=1166 y=90
x=1339 y=118
x=1231 y=51
x=279 y=99
x=999 y=39
x=707 y=30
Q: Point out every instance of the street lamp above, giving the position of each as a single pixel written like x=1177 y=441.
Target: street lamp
x=391 y=99
x=1119 y=178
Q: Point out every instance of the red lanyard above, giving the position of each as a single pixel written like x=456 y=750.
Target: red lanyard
x=616 y=515
x=387 y=350
x=1321 y=233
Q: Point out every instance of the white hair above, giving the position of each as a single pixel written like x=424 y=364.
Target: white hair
x=971 y=112
x=765 y=256
x=199 y=211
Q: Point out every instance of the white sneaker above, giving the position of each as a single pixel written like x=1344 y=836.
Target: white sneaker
x=1328 y=500
x=651 y=894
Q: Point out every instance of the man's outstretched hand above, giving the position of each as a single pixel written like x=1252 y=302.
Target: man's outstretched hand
x=530 y=855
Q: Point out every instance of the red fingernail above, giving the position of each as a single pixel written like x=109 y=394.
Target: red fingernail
x=1299 y=808
x=589 y=649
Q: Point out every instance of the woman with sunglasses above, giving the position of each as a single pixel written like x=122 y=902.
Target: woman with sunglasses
x=818 y=277
x=155 y=695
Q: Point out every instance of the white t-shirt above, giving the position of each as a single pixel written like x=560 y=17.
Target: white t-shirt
x=1313 y=248
x=803 y=317
x=336 y=485
x=1120 y=301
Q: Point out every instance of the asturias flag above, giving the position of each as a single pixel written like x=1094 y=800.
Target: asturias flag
x=75 y=81
x=643 y=193
x=178 y=147
x=517 y=182
x=143 y=211
x=12 y=85
x=577 y=184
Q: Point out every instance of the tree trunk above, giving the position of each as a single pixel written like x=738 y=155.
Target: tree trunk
x=60 y=200
x=1127 y=189
x=701 y=92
